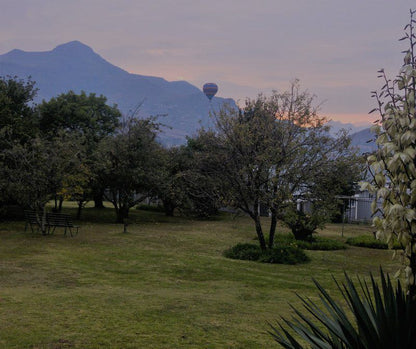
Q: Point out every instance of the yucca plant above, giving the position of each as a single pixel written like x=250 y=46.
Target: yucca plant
x=380 y=318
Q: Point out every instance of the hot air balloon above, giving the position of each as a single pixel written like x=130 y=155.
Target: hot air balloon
x=210 y=89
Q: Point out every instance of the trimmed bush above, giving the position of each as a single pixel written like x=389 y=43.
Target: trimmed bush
x=248 y=252
x=313 y=243
x=283 y=254
x=321 y=244
x=370 y=242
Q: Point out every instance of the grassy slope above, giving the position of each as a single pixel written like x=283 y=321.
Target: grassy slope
x=164 y=284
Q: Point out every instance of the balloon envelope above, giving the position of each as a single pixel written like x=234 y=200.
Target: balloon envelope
x=210 y=89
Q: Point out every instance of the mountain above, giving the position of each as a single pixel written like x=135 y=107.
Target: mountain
x=364 y=141
x=336 y=126
x=75 y=66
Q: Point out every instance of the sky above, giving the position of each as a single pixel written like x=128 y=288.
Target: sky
x=247 y=47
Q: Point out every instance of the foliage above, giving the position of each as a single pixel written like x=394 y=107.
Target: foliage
x=89 y=118
x=312 y=243
x=393 y=167
x=247 y=252
x=202 y=191
x=283 y=254
x=87 y=115
x=271 y=152
x=383 y=318
x=18 y=122
x=303 y=225
x=370 y=242
x=182 y=184
x=129 y=163
x=36 y=170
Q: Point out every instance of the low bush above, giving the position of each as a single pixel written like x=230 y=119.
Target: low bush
x=248 y=252
x=312 y=243
x=321 y=244
x=282 y=254
x=369 y=242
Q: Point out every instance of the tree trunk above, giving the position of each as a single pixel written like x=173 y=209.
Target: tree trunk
x=98 y=199
x=122 y=213
x=169 y=207
x=259 y=232
x=55 y=208
x=80 y=204
x=61 y=201
x=273 y=224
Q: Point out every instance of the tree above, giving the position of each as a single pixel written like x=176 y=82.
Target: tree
x=88 y=115
x=129 y=164
x=320 y=195
x=170 y=188
x=85 y=116
x=18 y=121
x=35 y=171
x=271 y=152
x=393 y=166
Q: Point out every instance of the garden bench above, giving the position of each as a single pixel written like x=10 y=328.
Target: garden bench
x=54 y=220
x=32 y=219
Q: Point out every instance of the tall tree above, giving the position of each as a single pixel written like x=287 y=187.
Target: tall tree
x=18 y=121
x=393 y=166
x=129 y=164
x=18 y=124
x=35 y=171
x=271 y=152
x=86 y=116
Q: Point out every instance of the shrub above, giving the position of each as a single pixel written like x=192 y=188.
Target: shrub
x=283 y=254
x=321 y=244
x=248 y=252
x=312 y=243
x=370 y=242
x=383 y=318
x=303 y=225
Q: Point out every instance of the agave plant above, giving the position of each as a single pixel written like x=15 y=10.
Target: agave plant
x=382 y=318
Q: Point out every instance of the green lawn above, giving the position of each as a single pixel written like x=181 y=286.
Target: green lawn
x=164 y=284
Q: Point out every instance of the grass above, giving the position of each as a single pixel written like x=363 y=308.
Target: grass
x=164 y=284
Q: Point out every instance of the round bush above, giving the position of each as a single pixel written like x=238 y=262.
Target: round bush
x=370 y=242
x=313 y=243
x=284 y=255
x=321 y=244
x=248 y=252
x=279 y=255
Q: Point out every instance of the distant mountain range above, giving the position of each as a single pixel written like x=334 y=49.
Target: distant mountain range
x=364 y=140
x=75 y=66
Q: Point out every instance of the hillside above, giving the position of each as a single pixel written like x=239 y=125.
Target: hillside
x=364 y=140
x=75 y=66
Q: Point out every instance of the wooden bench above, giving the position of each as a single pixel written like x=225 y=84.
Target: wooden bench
x=33 y=219
x=55 y=220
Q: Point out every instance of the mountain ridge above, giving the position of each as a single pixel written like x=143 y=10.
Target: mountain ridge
x=75 y=66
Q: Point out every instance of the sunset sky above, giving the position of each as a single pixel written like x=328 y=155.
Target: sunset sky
x=334 y=47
